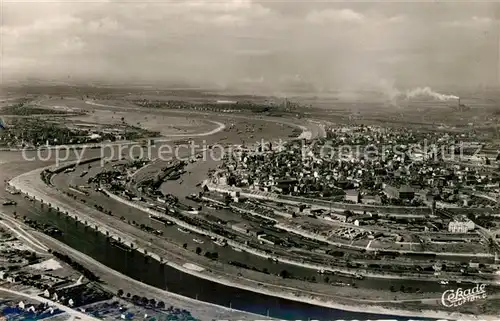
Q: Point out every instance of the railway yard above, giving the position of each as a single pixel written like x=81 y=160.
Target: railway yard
x=388 y=224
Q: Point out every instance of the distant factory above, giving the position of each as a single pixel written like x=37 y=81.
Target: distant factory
x=226 y=102
x=460 y=106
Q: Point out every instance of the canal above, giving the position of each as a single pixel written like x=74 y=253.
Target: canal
x=150 y=271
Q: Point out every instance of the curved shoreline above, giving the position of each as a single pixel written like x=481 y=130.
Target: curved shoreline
x=221 y=127
x=37 y=238
x=149 y=287
x=306 y=132
x=82 y=218
x=103 y=228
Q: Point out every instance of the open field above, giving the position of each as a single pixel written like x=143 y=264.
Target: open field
x=165 y=125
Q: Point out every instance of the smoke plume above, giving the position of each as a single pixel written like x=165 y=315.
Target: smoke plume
x=389 y=90
x=426 y=91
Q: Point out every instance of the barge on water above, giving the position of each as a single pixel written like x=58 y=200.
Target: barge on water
x=120 y=245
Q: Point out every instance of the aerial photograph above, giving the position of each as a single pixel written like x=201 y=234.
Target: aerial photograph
x=209 y=160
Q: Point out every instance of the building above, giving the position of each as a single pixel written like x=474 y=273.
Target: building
x=226 y=102
x=239 y=198
x=390 y=191
x=460 y=227
x=241 y=228
x=403 y=193
x=429 y=198
x=336 y=216
x=245 y=229
x=406 y=193
x=371 y=199
x=263 y=239
x=352 y=196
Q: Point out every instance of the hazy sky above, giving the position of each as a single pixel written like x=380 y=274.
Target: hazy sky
x=274 y=45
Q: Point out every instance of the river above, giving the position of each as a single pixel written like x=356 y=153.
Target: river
x=149 y=271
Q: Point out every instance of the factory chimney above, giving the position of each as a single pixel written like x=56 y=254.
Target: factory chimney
x=461 y=106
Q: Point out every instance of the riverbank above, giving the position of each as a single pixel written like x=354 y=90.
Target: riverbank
x=27 y=181
x=114 y=281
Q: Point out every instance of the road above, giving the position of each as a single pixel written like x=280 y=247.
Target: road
x=114 y=281
x=14 y=227
x=71 y=312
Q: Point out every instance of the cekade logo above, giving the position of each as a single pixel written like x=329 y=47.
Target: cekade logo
x=455 y=298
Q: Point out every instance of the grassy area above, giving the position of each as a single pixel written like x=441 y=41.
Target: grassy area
x=30 y=132
x=36 y=132
x=23 y=110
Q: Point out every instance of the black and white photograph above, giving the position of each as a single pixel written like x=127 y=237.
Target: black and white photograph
x=210 y=160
